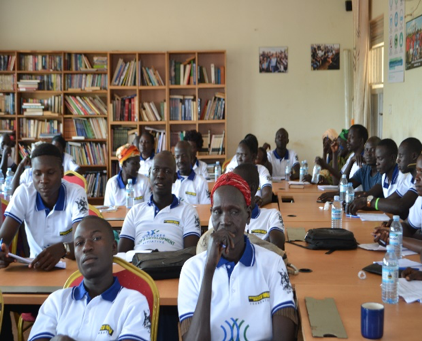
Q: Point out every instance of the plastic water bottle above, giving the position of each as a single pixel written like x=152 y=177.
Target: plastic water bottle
x=350 y=196
x=130 y=194
x=7 y=186
x=315 y=174
x=305 y=164
x=1 y=182
x=287 y=173
x=217 y=170
x=336 y=213
x=343 y=187
x=396 y=236
x=390 y=276
x=302 y=171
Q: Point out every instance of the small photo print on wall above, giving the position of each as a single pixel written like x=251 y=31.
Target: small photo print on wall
x=273 y=59
x=413 y=43
x=325 y=57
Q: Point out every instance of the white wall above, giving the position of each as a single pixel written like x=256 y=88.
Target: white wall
x=306 y=103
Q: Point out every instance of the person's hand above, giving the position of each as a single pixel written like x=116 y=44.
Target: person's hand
x=266 y=146
x=359 y=160
x=26 y=161
x=386 y=223
x=327 y=196
x=322 y=180
x=320 y=161
x=307 y=177
x=412 y=274
x=258 y=200
x=62 y=338
x=381 y=233
x=357 y=204
x=334 y=146
x=48 y=258
x=6 y=151
x=220 y=241
x=5 y=259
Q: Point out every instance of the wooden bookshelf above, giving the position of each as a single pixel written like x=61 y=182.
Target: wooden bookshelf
x=67 y=75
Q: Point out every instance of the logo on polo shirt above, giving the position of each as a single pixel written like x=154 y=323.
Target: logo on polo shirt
x=259 y=231
x=285 y=282
x=191 y=193
x=65 y=233
x=139 y=198
x=260 y=297
x=147 y=321
x=236 y=330
x=175 y=222
x=105 y=328
x=82 y=205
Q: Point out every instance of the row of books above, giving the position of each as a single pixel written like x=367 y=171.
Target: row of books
x=124 y=108
x=80 y=62
x=150 y=112
x=86 y=105
x=40 y=62
x=7 y=126
x=218 y=75
x=125 y=73
x=88 y=153
x=24 y=150
x=35 y=129
x=7 y=104
x=92 y=128
x=96 y=182
x=86 y=81
x=214 y=109
x=160 y=138
x=119 y=137
x=183 y=73
x=183 y=108
x=216 y=144
x=54 y=104
x=7 y=62
x=149 y=76
x=52 y=82
x=7 y=82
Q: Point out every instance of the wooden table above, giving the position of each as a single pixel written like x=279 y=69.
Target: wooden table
x=116 y=218
x=283 y=186
x=303 y=209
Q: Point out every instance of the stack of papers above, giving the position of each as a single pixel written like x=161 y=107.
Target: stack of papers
x=378 y=247
x=128 y=256
x=410 y=291
x=327 y=187
x=299 y=183
x=60 y=264
x=373 y=217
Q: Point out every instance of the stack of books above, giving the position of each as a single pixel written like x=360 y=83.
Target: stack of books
x=52 y=106
x=7 y=104
x=51 y=82
x=125 y=73
x=149 y=111
x=28 y=84
x=96 y=182
x=32 y=109
x=86 y=105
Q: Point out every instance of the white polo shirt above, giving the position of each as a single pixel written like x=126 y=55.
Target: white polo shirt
x=388 y=187
x=415 y=214
x=232 y=164
x=192 y=189
x=150 y=229
x=117 y=314
x=279 y=163
x=115 y=193
x=44 y=227
x=263 y=221
x=407 y=183
x=200 y=168
x=145 y=164
x=69 y=163
x=353 y=170
x=265 y=179
x=244 y=295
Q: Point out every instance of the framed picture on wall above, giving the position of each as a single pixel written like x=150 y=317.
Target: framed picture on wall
x=413 y=43
x=273 y=59
x=325 y=57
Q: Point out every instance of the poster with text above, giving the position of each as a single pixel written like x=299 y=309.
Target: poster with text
x=396 y=48
x=414 y=43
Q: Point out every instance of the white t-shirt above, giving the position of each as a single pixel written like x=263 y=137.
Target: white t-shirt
x=415 y=214
x=118 y=313
x=200 y=168
x=192 y=189
x=246 y=294
x=150 y=229
x=232 y=164
x=43 y=227
x=353 y=170
x=388 y=187
x=146 y=164
x=279 y=163
x=69 y=163
x=265 y=179
x=115 y=193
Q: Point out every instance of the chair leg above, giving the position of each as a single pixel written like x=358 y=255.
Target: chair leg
x=22 y=328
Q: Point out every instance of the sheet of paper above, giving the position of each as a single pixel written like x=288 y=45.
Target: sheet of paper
x=277 y=178
x=378 y=247
x=373 y=217
x=299 y=183
x=406 y=263
x=327 y=187
x=410 y=291
x=128 y=256
x=60 y=264
x=107 y=208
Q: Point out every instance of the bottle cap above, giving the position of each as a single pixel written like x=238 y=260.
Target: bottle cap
x=396 y=218
x=336 y=198
x=390 y=247
x=217 y=163
x=343 y=175
x=129 y=181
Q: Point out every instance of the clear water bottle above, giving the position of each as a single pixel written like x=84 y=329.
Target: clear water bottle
x=343 y=187
x=350 y=196
x=1 y=182
x=396 y=236
x=336 y=213
x=217 y=170
x=130 y=194
x=7 y=186
x=302 y=171
x=287 y=173
x=315 y=174
x=390 y=277
x=305 y=164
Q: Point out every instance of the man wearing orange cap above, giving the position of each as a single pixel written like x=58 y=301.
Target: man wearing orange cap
x=115 y=194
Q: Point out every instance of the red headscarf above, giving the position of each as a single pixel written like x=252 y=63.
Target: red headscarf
x=232 y=179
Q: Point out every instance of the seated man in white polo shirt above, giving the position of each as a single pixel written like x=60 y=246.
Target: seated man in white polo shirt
x=280 y=157
x=236 y=288
x=50 y=207
x=164 y=222
x=196 y=142
x=99 y=307
x=189 y=186
x=145 y=143
x=115 y=193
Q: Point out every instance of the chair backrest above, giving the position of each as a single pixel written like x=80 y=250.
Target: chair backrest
x=132 y=278
x=76 y=178
x=92 y=210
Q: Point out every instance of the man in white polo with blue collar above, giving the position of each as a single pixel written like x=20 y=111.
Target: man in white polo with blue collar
x=235 y=290
x=280 y=157
x=99 y=308
x=189 y=186
x=115 y=194
x=146 y=147
x=164 y=222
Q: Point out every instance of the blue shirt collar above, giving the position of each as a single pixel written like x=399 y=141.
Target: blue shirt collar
x=255 y=212
x=174 y=204
x=110 y=294
x=150 y=158
x=60 y=203
x=120 y=182
x=197 y=163
x=190 y=177
x=286 y=156
x=393 y=178
x=247 y=259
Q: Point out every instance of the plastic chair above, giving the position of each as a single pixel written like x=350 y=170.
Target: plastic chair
x=132 y=278
x=92 y=210
x=75 y=178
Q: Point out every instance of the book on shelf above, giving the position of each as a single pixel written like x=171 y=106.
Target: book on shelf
x=149 y=76
x=7 y=126
x=91 y=128
x=40 y=62
x=124 y=108
x=160 y=138
x=24 y=150
x=88 y=82
x=85 y=105
x=217 y=74
x=7 y=82
x=96 y=183
x=34 y=129
x=50 y=82
x=150 y=113
x=7 y=104
x=205 y=150
x=217 y=144
x=88 y=153
x=132 y=136
x=125 y=73
x=100 y=62
x=214 y=109
x=183 y=108
x=183 y=73
x=51 y=106
x=7 y=62
x=76 y=62
x=119 y=137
